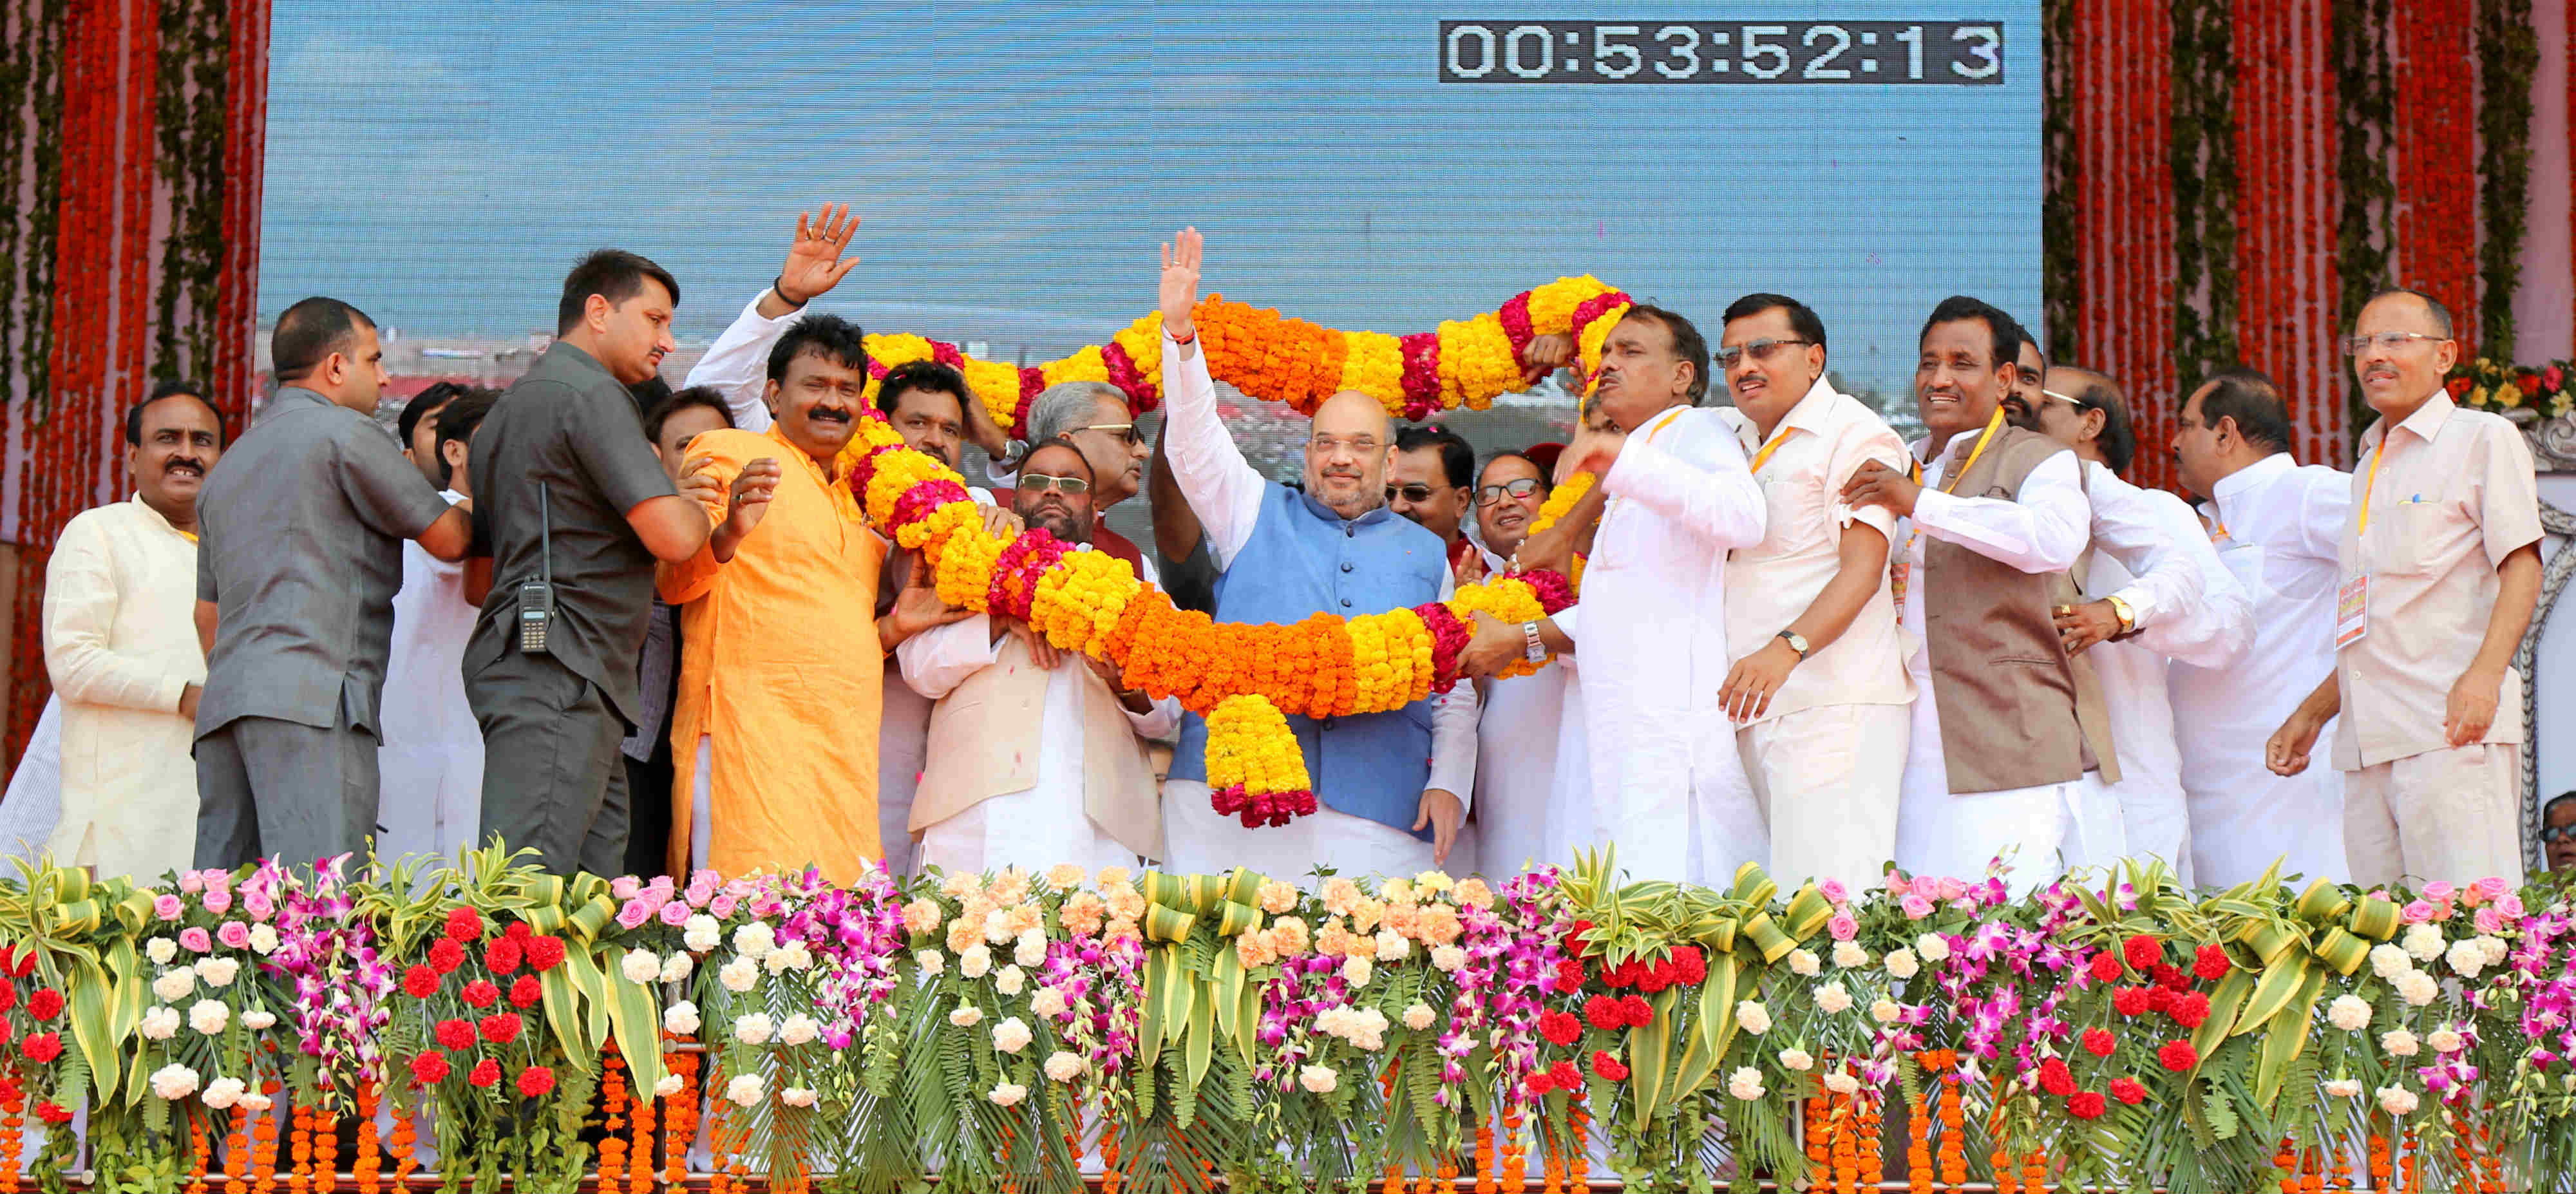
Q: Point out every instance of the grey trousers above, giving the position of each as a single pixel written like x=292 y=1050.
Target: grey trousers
x=270 y=788
x=553 y=778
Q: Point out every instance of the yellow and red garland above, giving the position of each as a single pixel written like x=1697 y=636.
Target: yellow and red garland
x=1243 y=678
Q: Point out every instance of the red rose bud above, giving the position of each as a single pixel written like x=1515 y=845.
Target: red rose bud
x=430 y=1069
x=2098 y=1042
x=2127 y=1090
x=45 y=1004
x=2211 y=962
x=1608 y=1067
x=446 y=956
x=41 y=1047
x=503 y=955
x=2085 y=1105
x=455 y=1034
x=2055 y=1078
x=1636 y=1011
x=420 y=982
x=526 y=992
x=481 y=993
x=1604 y=1013
x=537 y=1080
x=2106 y=966
x=545 y=953
x=2142 y=951
x=2129 y=1001
x=486 y=1073
x=2190 y=1010
x=501 y=1028
x=2178 y=1056
x=1559 y=1028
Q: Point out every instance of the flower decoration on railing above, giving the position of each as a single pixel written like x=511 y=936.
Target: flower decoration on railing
x=2547 y=390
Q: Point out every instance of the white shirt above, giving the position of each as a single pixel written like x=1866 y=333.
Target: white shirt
x=1516 y=763
x=1044 y=824
x=431 y=761
x=738 y=363
x=2194 y=611
x=1667 y=783
x=1224 y=490
x=121 y=647
x=2278 y=525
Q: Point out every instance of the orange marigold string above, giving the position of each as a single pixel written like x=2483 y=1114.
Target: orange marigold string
x=263 y=1158
x=13 y=1133
x=200 y=1153
x=300 y=1178
x=369 y=1165
x=612 y=1104
x=237 y=1153
x=326 y=1148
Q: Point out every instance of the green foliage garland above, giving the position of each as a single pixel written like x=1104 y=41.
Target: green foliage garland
x=2061 y=268
x=2365 y=92
x=2508 y=56
x=31 y=163
x=2205 y=186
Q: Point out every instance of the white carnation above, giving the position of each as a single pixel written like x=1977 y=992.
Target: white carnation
x=1754 y=1017
x=209 y=1016
x=702 y=933
x=744 y=1090
x=2467 y=957
x=967 y=1015
x=1797 y=1059
x=1318 y=1079
x=218 y=972
x=976 y=961
x=257 y=1020
x=1418 y=1016
x=174 y=1081
x=222 y=1093
x=1030 y=949
x=160 y=1023
x=263 y=941
x=2418 y=987
x=1849 y=955
x=1842 y=1083
x=739 y=975
x=1007 y=1094
x=667 y=1087
x=1011 y=980
x=753 y=1029
x=2445 y=1040
x=799 y=1029
x=640 y=966
x=2423 y=942
x=1833 y=998
x=2494 y=948
x=680 y=1019
x=997 y=926
x=1902 y=964
x=1746 y=1084
x=1885 y=1011
x=1011 y=1035
x=1064 y=1066
x=931 y=961
x=174 y=985
x=2389 y=961
x=755 y=940
x=160 y=950
x=2343 y=1088
x=2350 y=1013
x=2398 y=1042
x=678 y=967
x=1933 y=946
x=255 y=1102
x=1355 y=970
x=1047 y=1002
x=1392 y=946
x=795 y=955
x=798 y=1096
x=1447 y=958
x=1805 y=963
x=2397 y=1100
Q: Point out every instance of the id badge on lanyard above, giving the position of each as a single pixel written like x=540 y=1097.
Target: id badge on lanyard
x=2352 y=611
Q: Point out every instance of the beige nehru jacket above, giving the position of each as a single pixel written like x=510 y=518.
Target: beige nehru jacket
x=1822 y=441
x=984 y=743
x=2454 y=496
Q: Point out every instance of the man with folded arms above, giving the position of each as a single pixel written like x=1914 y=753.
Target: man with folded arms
x=2440 y=569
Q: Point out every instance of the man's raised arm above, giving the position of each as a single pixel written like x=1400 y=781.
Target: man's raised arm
x=1222 y=487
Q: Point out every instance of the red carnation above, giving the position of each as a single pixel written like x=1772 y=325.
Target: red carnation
x=2098 y=1042
x=45 y=1004
x=1692 y=964
x=481 y=993
x=429 y=1069
x=446 y=956
x=2128 y=1091
x=1538 y=1084
x=501 y=1028
x=1564 y=1076
x=25 y=965
x=52 y=1112
x=41 y=1047
x=527 y=991
x=1637 y=1011
x=1569 y=976
x=2159 y=999
x=518 y=931
x=1559 y=1028
x=486 y=1072
x=464 y=924
x=2190 y=1010
x=502 y=955
x=2211 y=962
x=1608 y=1067
x=2178 y=1056
x=455 y=1034
x=2085 y=1105
x=537 y=1080
x=1605 y=1013
x=1625 y=974
x=8 y=997
x=2055 y=1078
x=2129 y=1001
x=2106 y=966
x=1574 y=935
x=1657 y=977
x=545 y=953
x=2142 y=951
x=2172 y=979
x=420 y=982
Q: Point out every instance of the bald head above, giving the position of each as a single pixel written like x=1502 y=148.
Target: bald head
x=1347 y=453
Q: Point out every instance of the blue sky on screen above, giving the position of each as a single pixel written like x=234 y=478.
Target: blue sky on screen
x=441 y=163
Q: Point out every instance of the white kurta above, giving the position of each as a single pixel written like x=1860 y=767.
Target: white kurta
x=431 y=762
x=1516 y=765
x=1668 y=786
x=121 y=647
x=34 y=804
x=2278 y=529
x=1225 y=491
x=1937 y=832
x=2202 y=616
x=1044 y=824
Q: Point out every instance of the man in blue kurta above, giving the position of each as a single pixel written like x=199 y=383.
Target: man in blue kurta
x=1393 y=786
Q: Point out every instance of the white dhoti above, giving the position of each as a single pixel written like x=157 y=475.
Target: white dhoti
x=1202 y=841
x=1945 y=835
x=1516 y=751
x=903 y=749
x=1827 y=780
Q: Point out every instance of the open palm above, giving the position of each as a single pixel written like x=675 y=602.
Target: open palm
x=1181 y=281
x=814 y=263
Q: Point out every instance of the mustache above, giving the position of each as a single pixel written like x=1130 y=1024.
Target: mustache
x=184 y=462
x=828 y=414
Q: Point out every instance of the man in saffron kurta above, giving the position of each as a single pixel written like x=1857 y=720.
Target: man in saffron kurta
x=774 y=732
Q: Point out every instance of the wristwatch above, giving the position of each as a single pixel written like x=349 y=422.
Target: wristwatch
x=1535 y=650
x=2120 y=609
x=1797 y=642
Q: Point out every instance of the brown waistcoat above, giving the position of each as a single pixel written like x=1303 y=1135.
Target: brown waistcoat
x=984 y=743
x=2008 y=695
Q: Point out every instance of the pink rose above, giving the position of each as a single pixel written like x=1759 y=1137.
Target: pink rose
x=1915 y=906
x=766 y=905
x=195 y=940
x=1833 y=891
x=1952 y=889
x=2489 y=920
x=723 y=905
x=661 y=887
x=2510 y=905
x=217 y=880
x=634 y=914
x=1896 y=884
x=2379 y=893
x=701 y=889
x=234 y=934
x=2438 y=891
x=219 y=900
x=2492 y=887
x=259 y=905
x=167 y=906
x=2471 y=896
x=1843 y=927
x=624 y=887
x=676 y=913
x=2415 y=913
x=192 y=882
x=705 y=876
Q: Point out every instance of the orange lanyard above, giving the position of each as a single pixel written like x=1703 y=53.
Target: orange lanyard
x=1993 y=425
x=2371 y=484
x=1762 y=457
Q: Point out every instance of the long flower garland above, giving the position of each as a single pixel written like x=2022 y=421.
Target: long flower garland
x=1243 y=678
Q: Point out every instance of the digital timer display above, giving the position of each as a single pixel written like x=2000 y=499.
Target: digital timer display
x=1915 y=53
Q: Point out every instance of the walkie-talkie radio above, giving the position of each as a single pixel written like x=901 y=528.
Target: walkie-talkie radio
x=537 y=595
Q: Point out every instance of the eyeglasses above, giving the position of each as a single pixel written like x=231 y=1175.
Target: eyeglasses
x=1489 y=494
x=1126 y=432
x=1412 y=493
x=1040 y=483
x=2068 y=399
x=2557 y=833
x=1761 y=349
x=2387 y=341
